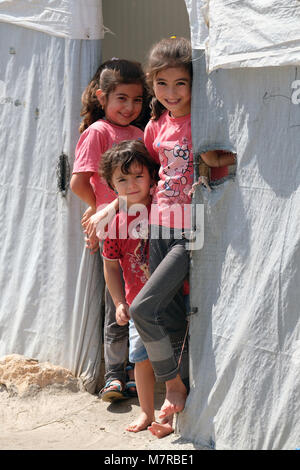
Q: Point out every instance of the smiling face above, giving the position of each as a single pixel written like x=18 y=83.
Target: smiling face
x=172 y=88
x=135 y=185
x=123 y=105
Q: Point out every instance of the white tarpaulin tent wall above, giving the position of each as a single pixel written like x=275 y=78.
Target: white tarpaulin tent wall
x=50 y=299
x=245 y=281
x=245 y=336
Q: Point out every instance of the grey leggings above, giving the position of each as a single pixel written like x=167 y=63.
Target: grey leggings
x=115 y=338
x=115 y=343
x=159 y=311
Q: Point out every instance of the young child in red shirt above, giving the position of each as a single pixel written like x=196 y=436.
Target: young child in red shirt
x=112 y=105
x=131 y=172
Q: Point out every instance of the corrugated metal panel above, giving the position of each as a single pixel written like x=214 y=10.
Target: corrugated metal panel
x=137 y=24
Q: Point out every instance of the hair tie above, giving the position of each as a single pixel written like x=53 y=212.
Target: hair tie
x=173 y=37
x=115 y=58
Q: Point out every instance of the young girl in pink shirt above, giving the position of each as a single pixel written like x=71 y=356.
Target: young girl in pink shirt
x=113 y=102
x=168 y=140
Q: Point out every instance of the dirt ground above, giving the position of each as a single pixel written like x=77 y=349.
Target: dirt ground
x=57 y=419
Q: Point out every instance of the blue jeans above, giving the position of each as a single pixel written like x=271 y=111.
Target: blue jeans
x=137 y=351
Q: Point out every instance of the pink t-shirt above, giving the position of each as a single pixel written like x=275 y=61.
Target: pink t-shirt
x=169 y=142
x=132 y=253
x=93 y=142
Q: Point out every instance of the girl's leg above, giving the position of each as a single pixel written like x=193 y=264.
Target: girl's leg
x=176 y=394
x=154 y=323
x=145 y=381
x=115 y=343
x=159 y=316
x=115 y=339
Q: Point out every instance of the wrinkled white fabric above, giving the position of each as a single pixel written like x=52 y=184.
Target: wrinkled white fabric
x=51 y=288
x=197 y=10
x=246 y=33
x=245 y=337
x=79 y=19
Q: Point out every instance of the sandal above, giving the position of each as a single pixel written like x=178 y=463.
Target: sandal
x=112 y=391
x=130 y=386
x=130 y=389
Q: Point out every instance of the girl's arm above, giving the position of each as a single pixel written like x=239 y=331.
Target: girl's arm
x=81 y=186
x=113 y=281
x=97 y=224
x=218 y=158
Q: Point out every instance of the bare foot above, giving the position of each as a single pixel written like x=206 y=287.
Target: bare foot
x=162 y=429
x=141 y=423
x=175 y=398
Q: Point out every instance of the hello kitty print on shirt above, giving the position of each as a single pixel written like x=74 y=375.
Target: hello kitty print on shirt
x=176 y=167
x=169 y=142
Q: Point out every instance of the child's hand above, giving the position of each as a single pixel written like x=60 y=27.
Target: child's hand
x=122 y=314
x=97 y=224
x=90 y=225
x=92 y=243
x=87 y=215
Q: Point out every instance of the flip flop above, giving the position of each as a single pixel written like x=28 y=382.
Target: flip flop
x=110 y=394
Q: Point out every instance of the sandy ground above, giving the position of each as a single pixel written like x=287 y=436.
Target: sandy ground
x=55 y=419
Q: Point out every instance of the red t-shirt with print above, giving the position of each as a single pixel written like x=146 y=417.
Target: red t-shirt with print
x=127 y=241
x=169 y=142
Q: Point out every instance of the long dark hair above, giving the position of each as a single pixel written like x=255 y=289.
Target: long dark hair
x=167 y=53
x=107 y=77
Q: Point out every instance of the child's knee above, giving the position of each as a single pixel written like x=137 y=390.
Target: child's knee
x=144 y=364
x=134 y=311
